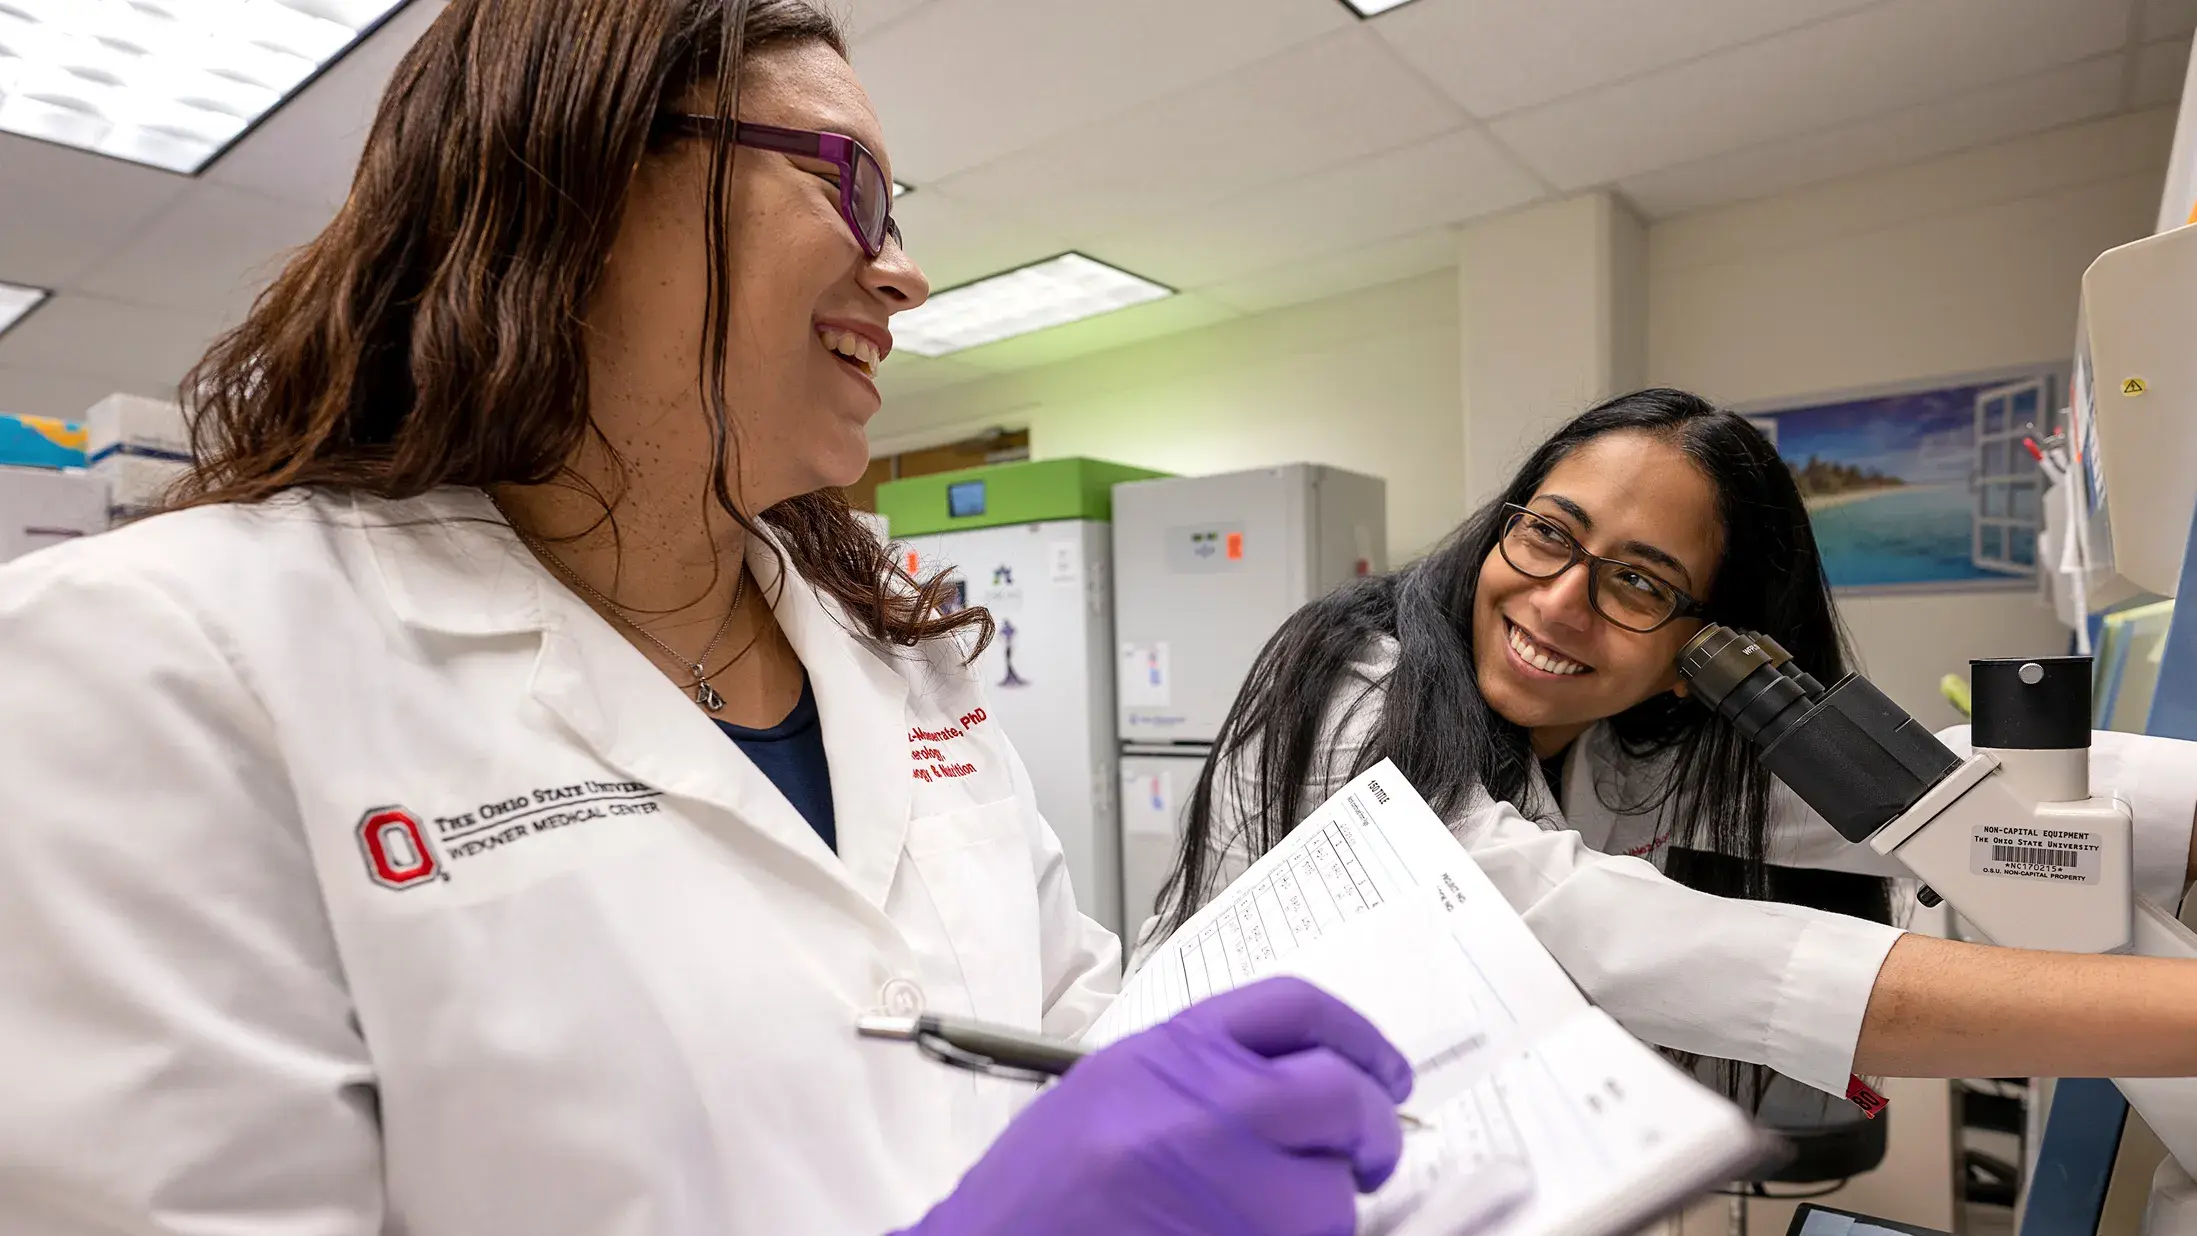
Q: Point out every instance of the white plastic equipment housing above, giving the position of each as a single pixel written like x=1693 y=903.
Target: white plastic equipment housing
x=1935 y=839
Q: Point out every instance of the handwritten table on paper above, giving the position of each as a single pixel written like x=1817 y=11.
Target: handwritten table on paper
x=1322 y=885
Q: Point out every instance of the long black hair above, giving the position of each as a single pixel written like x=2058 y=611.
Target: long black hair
x=1445 y=738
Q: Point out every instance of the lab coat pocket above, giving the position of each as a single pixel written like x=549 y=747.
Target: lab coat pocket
x=975 y=862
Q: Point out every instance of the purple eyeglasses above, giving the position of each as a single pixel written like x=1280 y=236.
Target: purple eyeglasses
x=865 y=194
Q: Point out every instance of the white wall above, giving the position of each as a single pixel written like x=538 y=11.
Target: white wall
x=1968 y=263
x=1552 y=318
x=1366 y=381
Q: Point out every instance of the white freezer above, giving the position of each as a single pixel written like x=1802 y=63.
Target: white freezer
x=1206 y=569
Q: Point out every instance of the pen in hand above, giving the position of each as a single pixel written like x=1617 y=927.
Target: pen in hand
x=993 y=1050
x=974 y=1045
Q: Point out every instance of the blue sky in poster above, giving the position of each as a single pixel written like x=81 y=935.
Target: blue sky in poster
x=1923 y=438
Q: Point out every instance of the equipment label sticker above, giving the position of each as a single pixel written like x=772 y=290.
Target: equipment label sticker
x=2071 y=855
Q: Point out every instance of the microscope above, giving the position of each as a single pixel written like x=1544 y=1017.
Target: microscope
x=2011 y=837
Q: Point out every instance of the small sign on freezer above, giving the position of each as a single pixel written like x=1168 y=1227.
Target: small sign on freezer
x=1143 y=678
x=1148 y=802
x=1065 y=562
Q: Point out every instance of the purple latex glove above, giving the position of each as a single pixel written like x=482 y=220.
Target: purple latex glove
x=1260 y=1112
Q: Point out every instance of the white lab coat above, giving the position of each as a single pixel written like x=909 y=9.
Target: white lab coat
x=615 y=993
x=1773 y=984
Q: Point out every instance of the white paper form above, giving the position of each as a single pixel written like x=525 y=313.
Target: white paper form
x=1516 y=1075
x=1373 y=900
x=1612 y=1134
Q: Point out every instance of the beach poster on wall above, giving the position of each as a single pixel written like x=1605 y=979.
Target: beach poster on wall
x=1923 y=490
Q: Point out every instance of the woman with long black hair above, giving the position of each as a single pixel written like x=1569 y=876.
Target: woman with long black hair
x=1536 y=648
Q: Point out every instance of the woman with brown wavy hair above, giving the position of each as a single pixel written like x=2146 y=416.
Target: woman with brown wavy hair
x=533 y=769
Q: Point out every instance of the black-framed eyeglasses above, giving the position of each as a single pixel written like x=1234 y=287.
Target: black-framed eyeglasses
x=865 y=192
x=1624 y=593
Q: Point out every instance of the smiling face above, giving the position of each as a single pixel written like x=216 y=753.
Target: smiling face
x=809 y=311
x=1546 y=660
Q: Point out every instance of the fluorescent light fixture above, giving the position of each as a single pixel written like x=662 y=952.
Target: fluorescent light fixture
x=901 y=190
x=167 y=83
x=1363 y=8
x=1053 y=292
x=16 y=301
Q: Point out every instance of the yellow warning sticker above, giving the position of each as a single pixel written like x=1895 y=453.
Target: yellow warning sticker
x=2133 y=386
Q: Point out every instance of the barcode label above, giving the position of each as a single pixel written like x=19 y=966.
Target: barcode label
x=2034 y=855
x=2037 y=852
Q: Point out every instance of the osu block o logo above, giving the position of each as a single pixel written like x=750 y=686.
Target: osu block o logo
x=397 y=851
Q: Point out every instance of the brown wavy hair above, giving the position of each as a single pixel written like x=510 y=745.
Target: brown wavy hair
x=434 y=334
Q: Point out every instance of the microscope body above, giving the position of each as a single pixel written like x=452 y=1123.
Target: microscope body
x=2025 y=853
x=2011 y=836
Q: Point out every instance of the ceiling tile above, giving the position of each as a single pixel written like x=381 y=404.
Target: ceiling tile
x=2161 y=71
x=1877 y=60
x=62 y=210
x=2035 y=103
x=42 y=392
x=1322 y=103
x=959 y=83
x=211 y=250
x=1500 y=57
x=106 y=339
x=1336 y=273
x=306 y=151
x=2118 y=148
x=1458 y=176
x=2170 y=19
x=956 y=242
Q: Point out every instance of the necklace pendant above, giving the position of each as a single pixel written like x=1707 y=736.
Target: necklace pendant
x=705 y=694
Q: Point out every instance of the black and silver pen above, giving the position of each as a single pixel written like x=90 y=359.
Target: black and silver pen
x=993 y=1050
x=974 y=1045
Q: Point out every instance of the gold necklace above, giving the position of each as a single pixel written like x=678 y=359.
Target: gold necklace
x=704 y=694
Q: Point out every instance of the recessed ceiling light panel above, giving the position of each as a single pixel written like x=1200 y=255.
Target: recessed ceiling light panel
x=1029 y=298
x=16 y=301
x=1373 y=8
x=168 y=83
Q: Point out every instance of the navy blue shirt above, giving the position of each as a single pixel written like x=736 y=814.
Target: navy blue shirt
x=791 y=754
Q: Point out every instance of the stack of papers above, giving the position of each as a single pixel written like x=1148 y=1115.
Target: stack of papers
x=1542 y=1116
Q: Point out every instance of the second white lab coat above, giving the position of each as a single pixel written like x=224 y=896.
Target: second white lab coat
x=357 y=879
x=1779 y=985
x=1772 y=984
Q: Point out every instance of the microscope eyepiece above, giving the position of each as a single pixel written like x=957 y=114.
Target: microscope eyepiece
x=1738 y=678
x=1847 y=750
x=1785 y=664
x=1716 y=661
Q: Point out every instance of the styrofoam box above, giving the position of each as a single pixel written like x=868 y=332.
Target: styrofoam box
x=136 y=484
x=44 y=506
x=137 y=425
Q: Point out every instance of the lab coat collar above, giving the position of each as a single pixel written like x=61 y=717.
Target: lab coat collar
x=452 y=563
x=862 y=703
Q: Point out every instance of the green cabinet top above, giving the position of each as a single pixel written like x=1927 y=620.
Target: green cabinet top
x=1028 y=492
